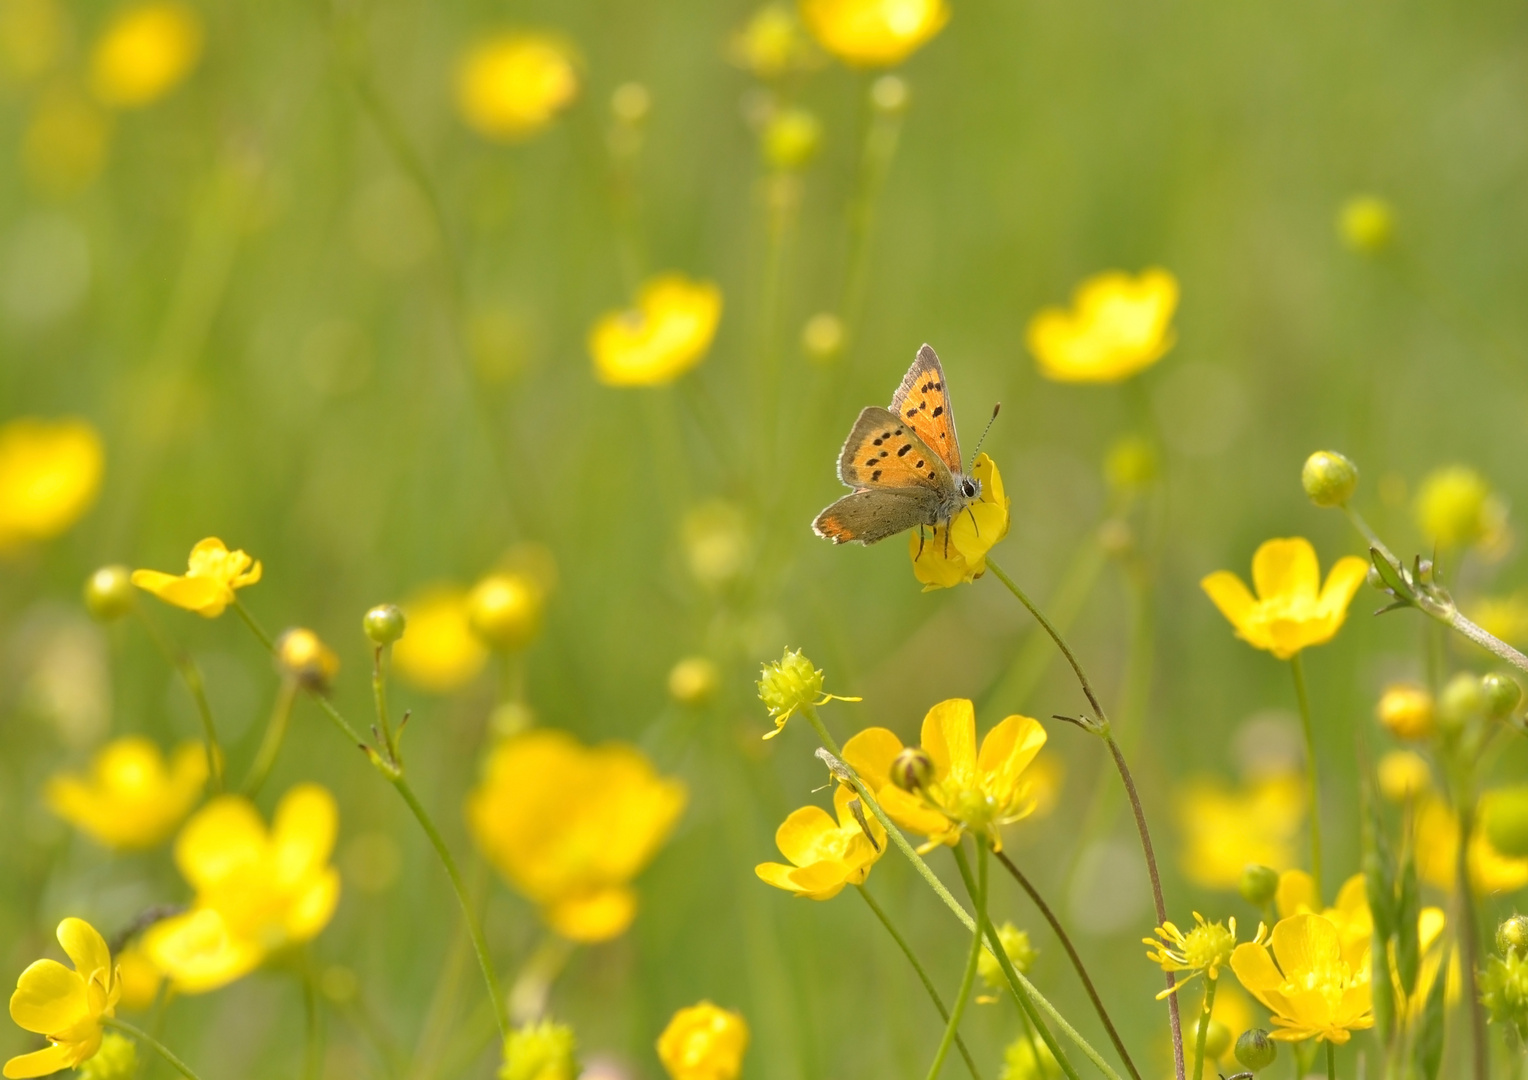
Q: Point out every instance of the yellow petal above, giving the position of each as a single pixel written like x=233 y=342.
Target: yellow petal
x=1230 y=595
x=949 y=737
x=198 y=953
x=49 y=998
x=1305 y=943
x=1287 y=569
x=1007 y=751
x=42 y=1062
x=205 y=596
x=86 y=947
x=1255 y=969
x=870 y=754
x=802 y=835
x=1296 y=893
x=1342 y=583
x=311 y=910
x=303 y=829
x=776 y=874
x=910 y=812
x=594 y=917
x=222 y=838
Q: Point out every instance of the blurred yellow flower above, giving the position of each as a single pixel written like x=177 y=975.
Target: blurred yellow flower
x=1118 y=325
x=772 y=43
x=438 y=651
x=1021 y=954
x=666 y=334
x=1292 y=609
x=1350 y=914
x=1225 y=829
x=873 y=33
x=32 y=35
x=971 y=535
x=1201 y=950
x=969 y=791
x=1505 y=617
x=66 y=139
x=540 y=1050
x=65 y=1006
x=1456 y=506
x=717 y=543
x=1366 y=223
x=513 y=85
x=140 y=978
x=1437 y=850
x=825 y=854
x=1406 y=711
x=257 y=889
x=50 y=472
x=570 y=826
x=1314 y=985
x=1403 y=775
x=504 y=610
x=207 y=587
x=703 y=1042
x=144 y=53
x=302 y=655
x=694 y=680
x=131 y=798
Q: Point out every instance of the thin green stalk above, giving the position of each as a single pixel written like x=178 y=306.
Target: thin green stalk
x=928 y=984
x=191 y=676
x=979 y=899
x=1312 y=786
x=275 y=735
x=138 y=1034
x=381 y=657
x=313 y=1046
x=1331 y=1060
x=1204 y=1027
x=254 y=627
x=1470 y=938
x=879 y=150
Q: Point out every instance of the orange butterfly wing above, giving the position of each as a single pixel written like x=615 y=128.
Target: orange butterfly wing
x=884 y=452
x=922 y=402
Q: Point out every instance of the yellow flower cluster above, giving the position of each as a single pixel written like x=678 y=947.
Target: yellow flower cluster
x=703 y=1042
x=1312 y=979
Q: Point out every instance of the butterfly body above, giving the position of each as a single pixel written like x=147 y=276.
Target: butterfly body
x=903 y=463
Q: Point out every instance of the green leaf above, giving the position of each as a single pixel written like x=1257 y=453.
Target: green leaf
x=1408 y=949
x=1393 y=576
x=1429 y=1045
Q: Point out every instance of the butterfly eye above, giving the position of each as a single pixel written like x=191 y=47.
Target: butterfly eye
x=968 y=489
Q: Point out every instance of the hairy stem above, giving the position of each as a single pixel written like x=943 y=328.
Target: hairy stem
x=979 y=899
x=138 y=1034
x=1204 y=1027
x=191 y=676
x=1297 y=666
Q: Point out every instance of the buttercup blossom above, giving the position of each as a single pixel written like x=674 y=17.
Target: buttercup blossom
x=979 y=792
x=703 y=1042
x=570 y=826
x=666 y=334
x=1406 y=711
x=207 y=587
x=825 y=854
x=1315 y=985
x=971 y=535
x=1292 y=609
x=66 y=1006
x=438 y=652
x=1437 y=848
x=257 y=889
x=131 y=797
x=50 y=472
x=1118 y=325
x=1403 y=775
x=1350 y=915
x=512 y=86
x=144 y=53
x=873 y=33
x=1456 y=506
x=504 y=610
x=1225 y=829
x=1201 y=950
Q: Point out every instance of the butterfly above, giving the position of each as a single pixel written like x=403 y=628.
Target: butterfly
x=903 y=463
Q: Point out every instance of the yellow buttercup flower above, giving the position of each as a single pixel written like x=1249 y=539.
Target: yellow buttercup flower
x=1437 y=850
x=570 y=826
x=703 y=1042
x=1366 y=223
x=971 y=535
x=969 y=790
x=791 y=683
x=873 y=33
x=666 y=334
x=438 y=651
x=772 y=43
x=257 y=889
x=1456 y=506
x=825 y=854
x=1406 y=711
x=1296 y=895
x=131 y=797
x=1292 y=609
x=1118 y=325
x=50 y=472
x=1403 y=775
x=1201 y=950
x=504 y=610
x=1314 y=985
x=65 y=1006
x=1225 y=829
x=207 y=587
x=145 y=52
x=511 y=86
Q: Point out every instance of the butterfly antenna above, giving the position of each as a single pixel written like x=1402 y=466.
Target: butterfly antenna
x=986 y=429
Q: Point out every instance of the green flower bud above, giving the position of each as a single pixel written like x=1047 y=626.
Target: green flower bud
x=1258 y=884
x=117 y=1059
x=541 y=1051
x=1512 y=936
x=1461 y=700
x=790 y=138
x=1329 y=478
x=1501 y=695
x=504 y=610
x=1255 y=1050
x=384 y=624
x=912 y=769
x=109 y=593
x=1506 y=820
x=889 y=94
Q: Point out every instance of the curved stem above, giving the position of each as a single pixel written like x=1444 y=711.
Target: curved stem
x=1204 y=1027
x=1071 y=952
x=1312 y=787
x=928 y=984
x=275 y=734
x=979 y=899
x=191 y=676
x=137 y=1033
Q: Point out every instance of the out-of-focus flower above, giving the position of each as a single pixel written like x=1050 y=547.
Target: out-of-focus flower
x=971 y=534
x=1201 y=950
x=825 y=855
x=1313 y=985
x=1406 y=711
x=873 y=33
x=1225 y=829
x=540 y=1051
x=32 y=35
x=257 y=889
x=65 y=143
x=1403 y=775
x=139 y=977
x=117 y=1059
x=145 y=52
x=772 y=43
x=717 y=543
x=1118 y=325
x=1349 y=914
x=823 y=337
x=1292 y=609
x=439 y=652
x=666 y=334
x=504 y=610
x=1028 y=1058
x=1021 y=954
x=703 y=1042
x=109 y=593
x=65 y=1006
x=131 y=798
x=1431 y=922
x=790 y=138
x=511 y=86
x=207 y=587
x=693 y=681
x=1504 y=992
x=969 y=791
x=1366 y=224
x=1505 y=617
x=1455 y=506
x=1437 y=850
x=570 y=826
x=50 y=472
x=1132 y=465
x=302 y=655
x=1504 y=820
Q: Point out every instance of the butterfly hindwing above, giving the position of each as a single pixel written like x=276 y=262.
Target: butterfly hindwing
x=873 y=514
x=923 y=403
x=883 y=452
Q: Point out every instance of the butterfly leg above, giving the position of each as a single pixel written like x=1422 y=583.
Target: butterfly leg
x=920 y=544
x=974 y=523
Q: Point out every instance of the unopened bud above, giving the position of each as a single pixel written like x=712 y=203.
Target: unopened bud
x=109 y=593
x=912 y=770
x=790 y=138
x=1501 y=695
x=1406 y=711
x=1258 y=884
x=1329 y=478
x=823 y=337
x=693 y=681
x=301 y=655
x=1462 y=699
x=889 y=94
x=1512 y=936
x=1506 y=821
x=384 y=624
x=1255 y=1050
x=1366 y=223
x=504 y=610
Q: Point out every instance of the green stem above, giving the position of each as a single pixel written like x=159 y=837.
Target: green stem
x=1470 y=937
x=928 y=984
x=138 y=1034
x=191 y=676
x=1204 y=1027
x=1369 y=535
x=1331 y=1060
x=1313 y=788
x=254 y=627
x=275 y=734
x=979 y=899
x=313 y=1047
x=381 y=655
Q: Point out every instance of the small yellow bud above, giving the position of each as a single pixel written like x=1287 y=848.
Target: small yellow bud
x=1406 y=711
x=109 y=593
x=1512 y=936
x=1021 y=954
x=912 y=770
x=504 y=611
x=384 y=624
x=1131 y=464
x=1366 y=224
x=788 y=684
x=1506 y=821
x=540 y=1051
x=1403 y=776
x=1258 y=884
x=823 y=337
x=301 y=655
x=703 y=1042
x=693 y=681
x=1501 y=694
x=1255 y=1050
x=889 y=95
x=1329 y=478
x=790 y=138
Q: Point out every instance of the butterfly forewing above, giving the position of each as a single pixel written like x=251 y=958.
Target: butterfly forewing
x=923 y=403
x=884 y=452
